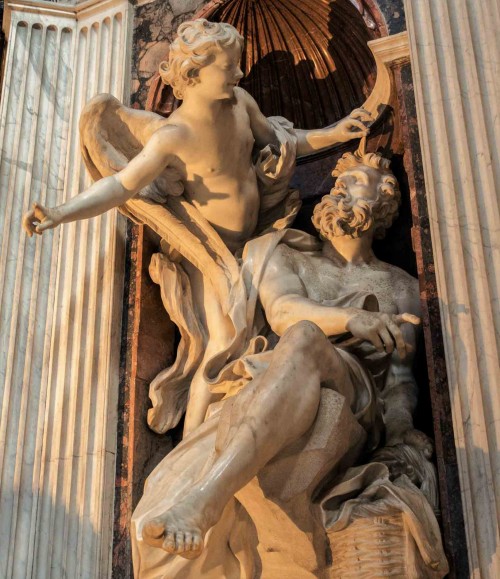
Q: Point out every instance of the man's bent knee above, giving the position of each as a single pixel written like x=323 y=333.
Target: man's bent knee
x=306 y=336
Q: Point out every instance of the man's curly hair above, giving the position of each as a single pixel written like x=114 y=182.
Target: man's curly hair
x=196 y=42
x=340 y=214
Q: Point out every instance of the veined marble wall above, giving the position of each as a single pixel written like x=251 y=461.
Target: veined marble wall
x=155 y=25
x=60 y=297
x=455 y=57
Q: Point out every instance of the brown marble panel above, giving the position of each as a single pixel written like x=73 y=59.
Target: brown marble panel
x=148 y=342
x=155 y=24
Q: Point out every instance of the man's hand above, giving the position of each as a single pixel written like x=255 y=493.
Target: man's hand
x=40 y=218
x=382 y=330
x=354 y=126
x=411 y=437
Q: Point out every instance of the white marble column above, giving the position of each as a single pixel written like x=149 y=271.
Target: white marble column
x=456 y=67
x=60 y=296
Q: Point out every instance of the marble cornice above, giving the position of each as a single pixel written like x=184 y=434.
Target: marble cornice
x=387 y=51
x=393 y=48
x=62 y=10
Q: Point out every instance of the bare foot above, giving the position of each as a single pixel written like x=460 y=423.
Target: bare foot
x=181 y=529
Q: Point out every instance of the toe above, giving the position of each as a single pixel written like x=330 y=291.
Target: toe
x=188 y=541
x=179 y=542
x=196 y=547
x=196 y=543
x=154 y=529
x=169 y=542
x=153 y=533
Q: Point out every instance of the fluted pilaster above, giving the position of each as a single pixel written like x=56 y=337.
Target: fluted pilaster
x=455 y=60
x=60 y=297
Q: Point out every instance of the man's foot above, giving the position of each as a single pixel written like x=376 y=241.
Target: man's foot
x=180 y=530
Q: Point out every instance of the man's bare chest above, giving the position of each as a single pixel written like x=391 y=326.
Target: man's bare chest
x=324 y=282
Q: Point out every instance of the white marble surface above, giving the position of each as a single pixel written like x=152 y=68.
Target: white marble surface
x=455 y=58
x=60 y=300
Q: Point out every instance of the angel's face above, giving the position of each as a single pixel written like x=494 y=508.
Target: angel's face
x=217 y=79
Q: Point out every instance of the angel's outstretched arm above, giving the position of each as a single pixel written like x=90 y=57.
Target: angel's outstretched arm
x=111 y=191
x=354 y=126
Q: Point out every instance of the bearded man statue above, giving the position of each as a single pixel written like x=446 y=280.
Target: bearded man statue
x=308 y=465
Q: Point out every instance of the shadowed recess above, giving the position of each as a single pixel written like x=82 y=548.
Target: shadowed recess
x=306 y=60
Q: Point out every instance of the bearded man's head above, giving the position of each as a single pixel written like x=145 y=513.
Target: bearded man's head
x=365 y=198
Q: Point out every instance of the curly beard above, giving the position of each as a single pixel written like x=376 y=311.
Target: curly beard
x=340 y=214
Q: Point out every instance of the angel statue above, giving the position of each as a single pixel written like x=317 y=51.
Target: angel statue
x=207 y=179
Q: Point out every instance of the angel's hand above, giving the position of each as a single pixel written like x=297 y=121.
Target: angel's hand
x=354 y=126
x=40 y=218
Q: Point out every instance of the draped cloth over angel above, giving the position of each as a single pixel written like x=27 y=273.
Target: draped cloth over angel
x=111 y=135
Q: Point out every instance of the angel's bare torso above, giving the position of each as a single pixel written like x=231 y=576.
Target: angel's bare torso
x=215 y=160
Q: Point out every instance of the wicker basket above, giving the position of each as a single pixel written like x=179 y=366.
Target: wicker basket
x=371 y=548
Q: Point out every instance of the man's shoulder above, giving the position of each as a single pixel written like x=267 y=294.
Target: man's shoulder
x=286 y=251
x=298 y=260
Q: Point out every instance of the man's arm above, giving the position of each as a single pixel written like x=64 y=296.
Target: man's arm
x=400 y=393
x=353 y=126
x=285 y=301
x=109 y=192
x=283 y=295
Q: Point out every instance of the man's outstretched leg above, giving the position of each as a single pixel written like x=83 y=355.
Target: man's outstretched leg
x=266 y=416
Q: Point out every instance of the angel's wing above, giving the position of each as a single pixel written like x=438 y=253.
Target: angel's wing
x=110 y=136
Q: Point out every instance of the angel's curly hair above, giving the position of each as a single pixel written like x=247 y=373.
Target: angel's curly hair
x=196 y=41
x=340 y=214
